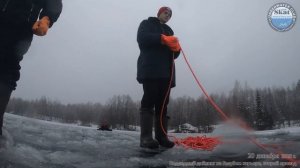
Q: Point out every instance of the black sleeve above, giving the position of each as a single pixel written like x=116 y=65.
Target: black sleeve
x=176 y=54
x=52 y=9
x=147 y=38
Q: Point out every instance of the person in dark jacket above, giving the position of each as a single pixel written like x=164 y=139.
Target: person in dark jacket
x=158 y=49
x=19 y=20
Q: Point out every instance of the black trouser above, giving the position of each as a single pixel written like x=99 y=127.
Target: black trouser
x=15 y=41
x=154 y=94
x=5 y=93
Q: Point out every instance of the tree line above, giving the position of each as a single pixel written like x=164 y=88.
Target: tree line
x=261 y=109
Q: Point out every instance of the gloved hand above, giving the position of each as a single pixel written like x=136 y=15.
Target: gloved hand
x=171 y=42
x=175 y=47
x=41 y=27
x=167 y=40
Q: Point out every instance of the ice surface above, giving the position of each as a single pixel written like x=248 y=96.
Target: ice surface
x=31 y=143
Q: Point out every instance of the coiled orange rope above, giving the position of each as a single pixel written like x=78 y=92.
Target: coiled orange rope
x=199 y=142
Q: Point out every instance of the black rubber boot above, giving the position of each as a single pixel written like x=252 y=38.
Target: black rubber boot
x=146 y=119
x=160 y=136
x=5 y=93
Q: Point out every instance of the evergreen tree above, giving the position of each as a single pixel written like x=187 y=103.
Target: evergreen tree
x=259 y=122
x=245 y=113
x=263 y=119
x=296 y=103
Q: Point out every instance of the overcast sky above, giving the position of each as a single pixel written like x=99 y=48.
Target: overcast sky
x=90 y=54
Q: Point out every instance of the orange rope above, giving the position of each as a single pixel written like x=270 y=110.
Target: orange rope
x=203 y=142
x=225 y=117
x=199 y=142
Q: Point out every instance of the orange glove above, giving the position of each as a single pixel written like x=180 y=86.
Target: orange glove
x=167 y=40
x=41 y=27
x=171 y=42
x=175 y=47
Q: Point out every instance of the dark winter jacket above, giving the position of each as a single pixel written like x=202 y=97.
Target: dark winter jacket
x=26 y=12
x=155 y=60
x=16 y=20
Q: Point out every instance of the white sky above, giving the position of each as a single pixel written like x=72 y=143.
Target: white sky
x=90 y=54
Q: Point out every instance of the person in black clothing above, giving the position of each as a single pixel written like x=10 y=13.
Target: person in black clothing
x=158 y=49
x=19 y=20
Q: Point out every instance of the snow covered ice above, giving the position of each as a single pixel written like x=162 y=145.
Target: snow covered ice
x=32 y=143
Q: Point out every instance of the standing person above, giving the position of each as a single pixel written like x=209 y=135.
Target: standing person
x=19 y=20
x=158 y=49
